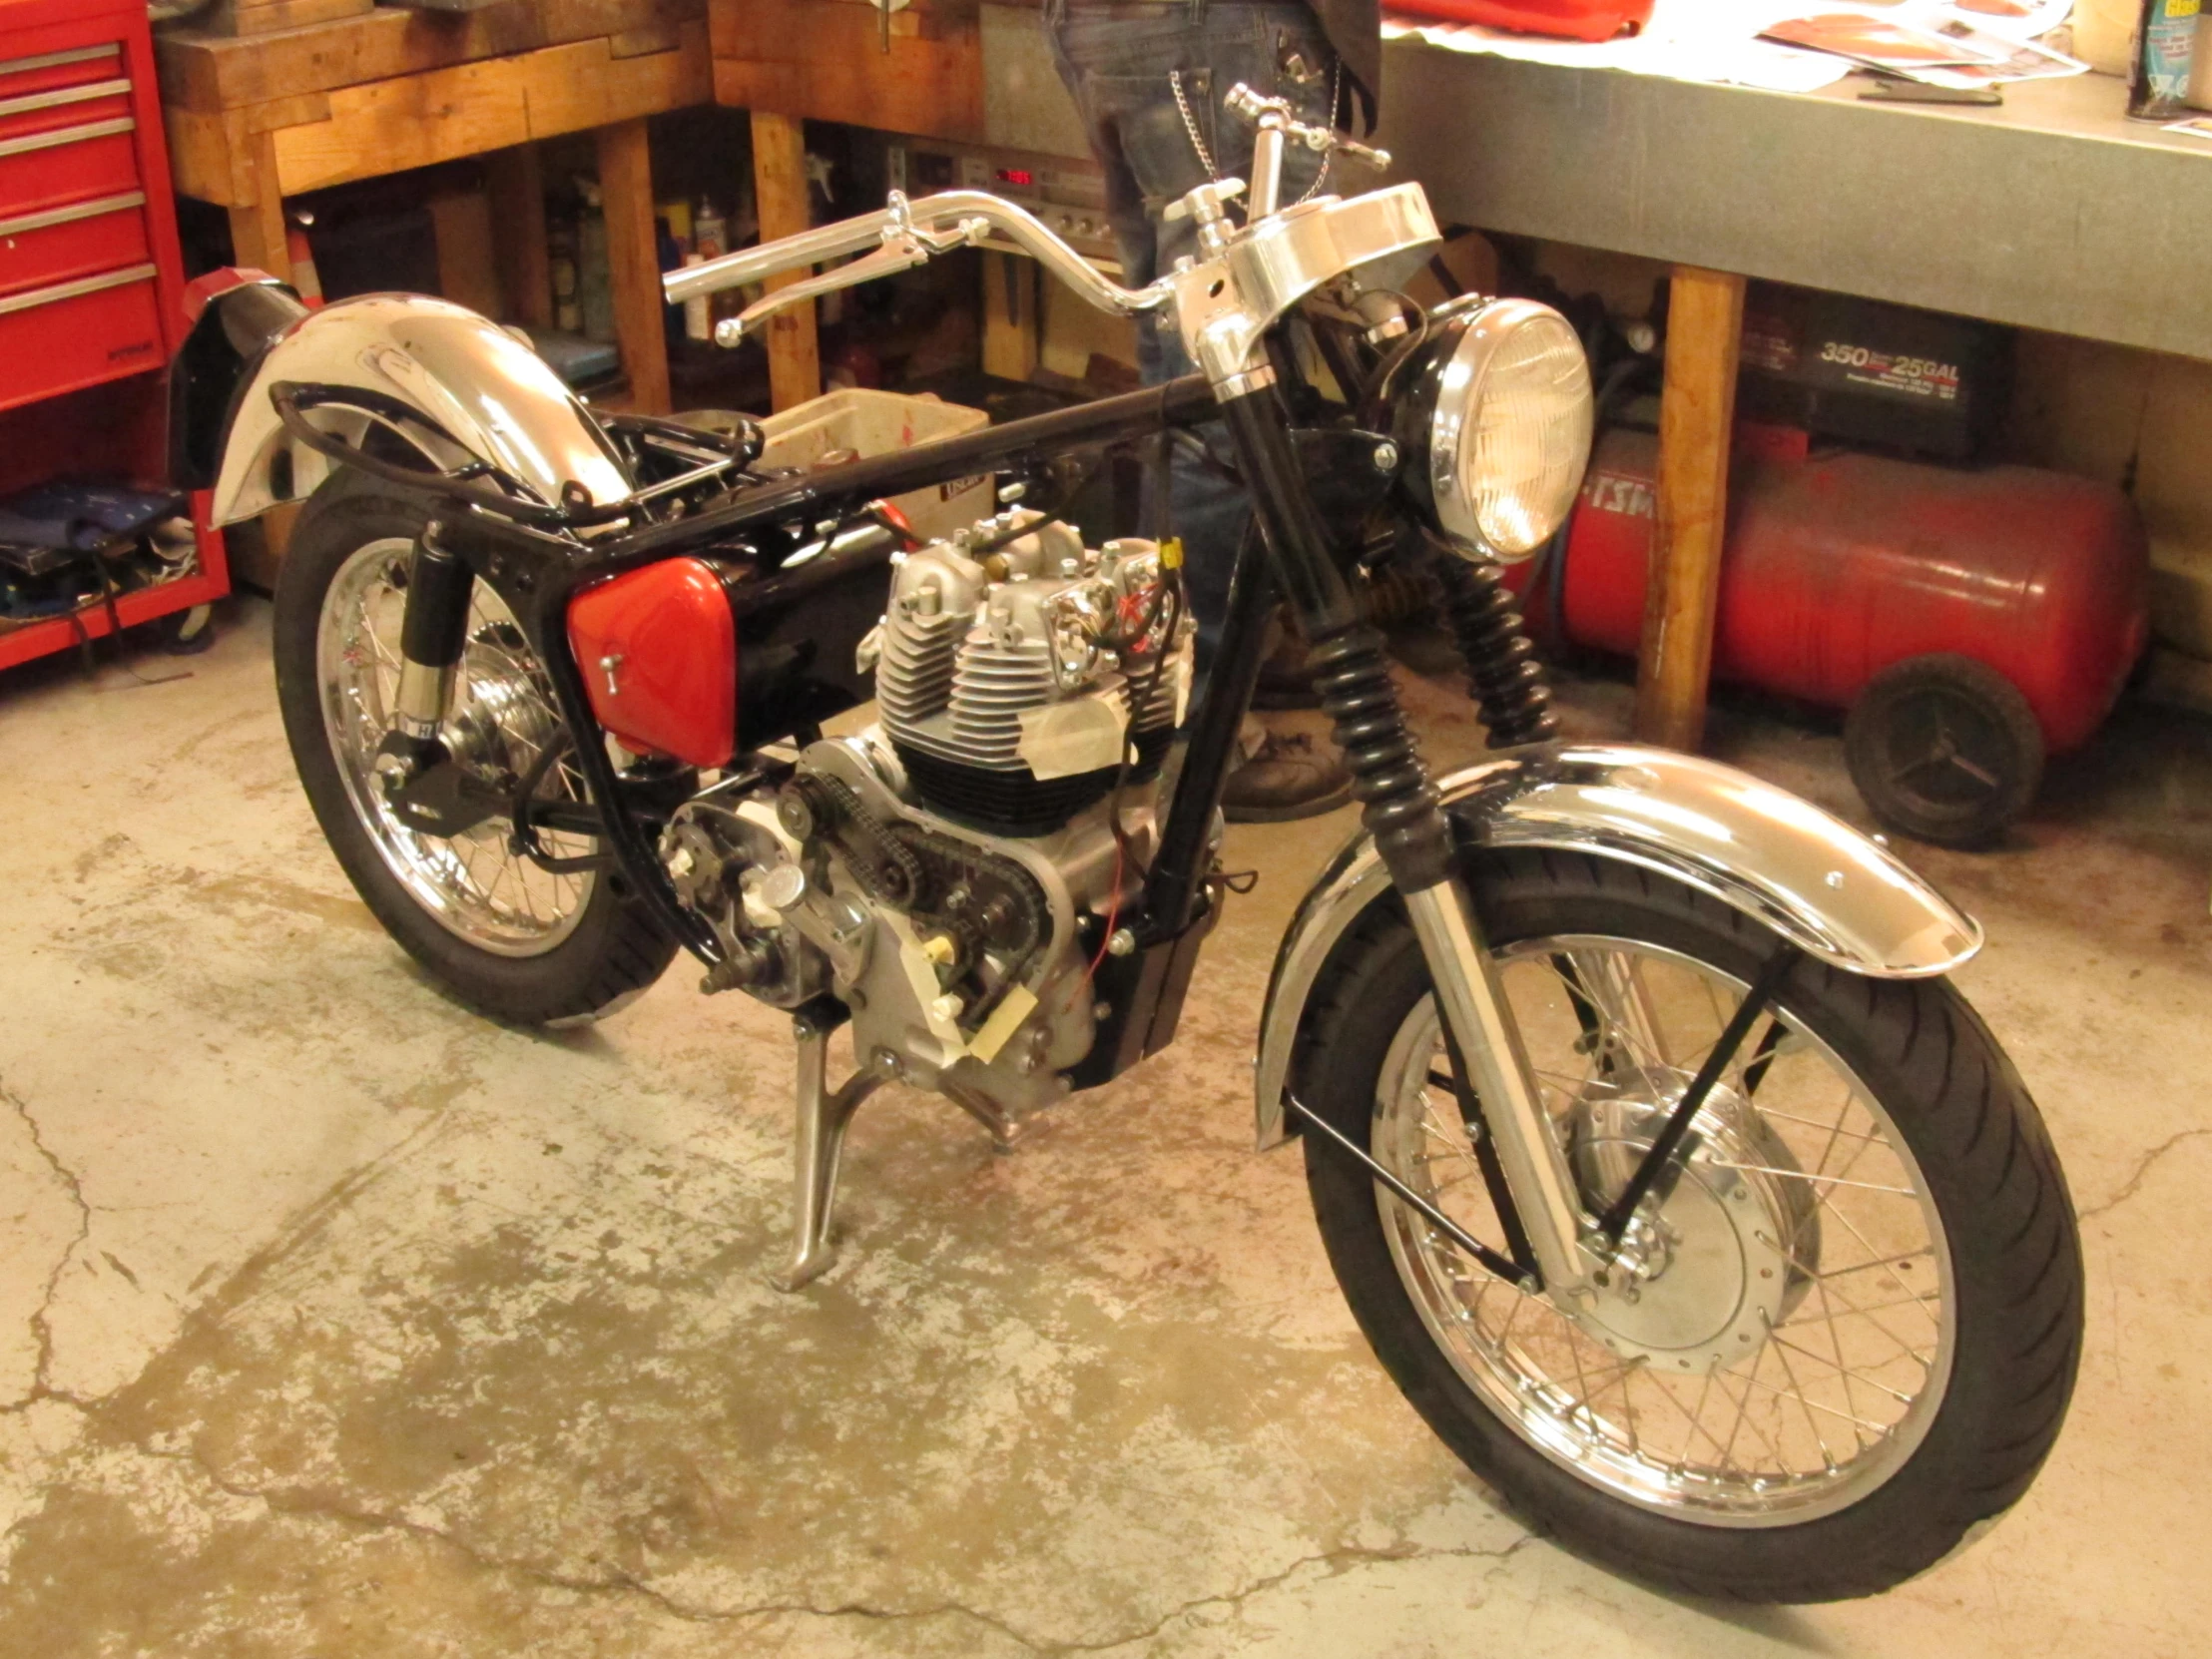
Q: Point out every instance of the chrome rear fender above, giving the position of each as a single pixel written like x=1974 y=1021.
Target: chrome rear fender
x=495 y=399
x=1811 y=877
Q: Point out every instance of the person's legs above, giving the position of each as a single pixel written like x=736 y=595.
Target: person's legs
x=1124 y=62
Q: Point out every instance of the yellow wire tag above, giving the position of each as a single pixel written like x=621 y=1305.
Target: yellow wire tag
x=1171 y=553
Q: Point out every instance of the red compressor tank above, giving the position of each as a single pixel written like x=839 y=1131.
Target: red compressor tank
x=1961 y=613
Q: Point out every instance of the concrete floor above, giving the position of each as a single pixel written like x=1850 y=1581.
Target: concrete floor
x=335 y=1320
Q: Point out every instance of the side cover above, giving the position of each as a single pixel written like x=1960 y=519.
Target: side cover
x=658 y=649
x=1808 y=877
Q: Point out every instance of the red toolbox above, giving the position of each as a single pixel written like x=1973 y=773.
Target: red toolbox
x=91 y=277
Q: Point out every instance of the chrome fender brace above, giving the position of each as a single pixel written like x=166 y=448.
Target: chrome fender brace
x=1820 y=884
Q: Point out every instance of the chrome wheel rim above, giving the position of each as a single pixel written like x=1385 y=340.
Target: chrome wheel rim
x=501 y=718
x=1835 y=1367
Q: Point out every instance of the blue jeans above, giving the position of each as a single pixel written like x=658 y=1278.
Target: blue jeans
x=1117 y=58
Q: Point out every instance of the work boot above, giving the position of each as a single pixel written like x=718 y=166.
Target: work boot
x=1285 y=777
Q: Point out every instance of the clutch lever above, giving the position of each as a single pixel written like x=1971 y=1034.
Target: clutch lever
x=904 y=246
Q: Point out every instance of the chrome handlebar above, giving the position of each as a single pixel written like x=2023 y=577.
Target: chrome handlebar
x=901 y=235
x=905 y=234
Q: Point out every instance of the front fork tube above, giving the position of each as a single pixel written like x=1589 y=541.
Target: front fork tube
x=1475 y=1006
x=434 y=630
x=1402 y=813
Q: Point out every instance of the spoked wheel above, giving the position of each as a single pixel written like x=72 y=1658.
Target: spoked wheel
x=1841 y=1334
x=509 y=936
x=1944 y=747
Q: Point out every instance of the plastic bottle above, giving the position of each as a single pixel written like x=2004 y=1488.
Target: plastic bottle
x=2165 y=41
x=710 y=241
x=568 y=310
x=595 y=278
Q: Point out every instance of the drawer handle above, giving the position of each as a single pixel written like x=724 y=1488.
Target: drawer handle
x=35 y=297
x=53 y=60
x=74 y=212
x=67 y=135
x=64 y=94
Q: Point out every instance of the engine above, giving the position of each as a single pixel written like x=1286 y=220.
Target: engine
x=1009 y=681
x=950 y=872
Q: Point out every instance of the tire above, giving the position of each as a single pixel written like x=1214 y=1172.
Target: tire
x=1977 y=1170
x=503 y=936
x=1944 y=747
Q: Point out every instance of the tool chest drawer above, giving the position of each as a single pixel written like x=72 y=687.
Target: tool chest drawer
x=88 y=268
x=70 y=335
x=78 y=239
x=62 y=163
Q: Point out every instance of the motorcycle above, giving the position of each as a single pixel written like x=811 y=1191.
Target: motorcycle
x=1660 y=1161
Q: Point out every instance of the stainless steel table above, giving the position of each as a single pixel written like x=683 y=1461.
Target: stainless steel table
x=2053 y=210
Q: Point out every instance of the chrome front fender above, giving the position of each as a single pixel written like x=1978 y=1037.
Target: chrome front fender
x=1808 y=875
x=498 y=399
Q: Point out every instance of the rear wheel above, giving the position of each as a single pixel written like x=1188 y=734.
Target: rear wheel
x=1842 y=1338
x=506 y=936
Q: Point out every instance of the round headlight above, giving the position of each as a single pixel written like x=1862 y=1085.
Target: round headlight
x=1509 y=426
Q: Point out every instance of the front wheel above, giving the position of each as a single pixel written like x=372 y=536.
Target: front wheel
x=1841 y=1336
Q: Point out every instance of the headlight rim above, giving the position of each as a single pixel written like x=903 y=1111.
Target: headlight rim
x=1467 y=336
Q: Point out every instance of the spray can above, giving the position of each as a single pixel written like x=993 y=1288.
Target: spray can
x=2165 y=40
x=710 y=241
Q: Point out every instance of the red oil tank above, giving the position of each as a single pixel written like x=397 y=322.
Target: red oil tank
x=1566 y=19
x=658 y=649
x=1839 y=565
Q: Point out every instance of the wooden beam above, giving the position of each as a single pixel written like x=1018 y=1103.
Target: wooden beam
x=444 y=114
x=258 y=229
x=516 y=179
x=825 y=62
x=1697 y=409
x=779 y=191
x=626 y=188
x=468 y=261
x=1009 y=315
x=207 y=73
x=245 y=17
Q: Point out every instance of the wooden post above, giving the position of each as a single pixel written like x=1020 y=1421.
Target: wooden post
x=1705 y=319
x=258 y=229
x=779 y=190
x=516 y=178
x=1009 y=315
x=468 y=251
x=634 y=263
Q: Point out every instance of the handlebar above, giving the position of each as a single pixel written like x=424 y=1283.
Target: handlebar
x=901 y=235
x=905 y=234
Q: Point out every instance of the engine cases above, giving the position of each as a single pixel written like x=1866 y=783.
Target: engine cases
x=1008 y=682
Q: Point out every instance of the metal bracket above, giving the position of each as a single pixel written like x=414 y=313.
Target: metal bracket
x=1491 y=1260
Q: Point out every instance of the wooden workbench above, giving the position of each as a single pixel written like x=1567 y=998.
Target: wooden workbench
x=792 y=61
x=256 y=119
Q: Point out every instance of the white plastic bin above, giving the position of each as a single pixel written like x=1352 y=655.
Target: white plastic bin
x=874 y=423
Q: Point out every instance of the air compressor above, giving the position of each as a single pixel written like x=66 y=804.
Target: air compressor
x=1970 y=619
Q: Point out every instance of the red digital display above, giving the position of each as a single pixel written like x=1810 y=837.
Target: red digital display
x=1016 y=176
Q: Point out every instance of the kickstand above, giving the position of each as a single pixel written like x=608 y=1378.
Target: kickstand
x=819 y=1139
